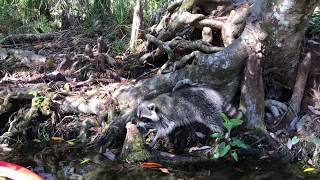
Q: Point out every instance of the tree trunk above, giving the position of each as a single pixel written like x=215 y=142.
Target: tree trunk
x=285 y=23
x=137 y=24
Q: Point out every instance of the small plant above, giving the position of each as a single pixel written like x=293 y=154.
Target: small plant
x=37 y=100
x=228 y=145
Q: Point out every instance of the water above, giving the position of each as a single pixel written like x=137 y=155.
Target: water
x=62 y=161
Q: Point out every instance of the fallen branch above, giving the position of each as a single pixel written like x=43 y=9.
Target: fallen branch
x=20 y=38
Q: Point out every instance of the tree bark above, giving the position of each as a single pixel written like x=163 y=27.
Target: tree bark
x=285 y=23
x=253 y=94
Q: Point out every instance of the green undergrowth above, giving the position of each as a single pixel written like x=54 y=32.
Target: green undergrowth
x=36 y=16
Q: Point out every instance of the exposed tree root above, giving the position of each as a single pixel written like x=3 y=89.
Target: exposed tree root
x=253 y=94
x=299 y=87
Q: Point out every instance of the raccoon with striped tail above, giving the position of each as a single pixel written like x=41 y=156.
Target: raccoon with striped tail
x=185 y=105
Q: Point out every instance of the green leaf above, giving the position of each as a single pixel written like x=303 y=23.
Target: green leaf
x=236 y=122
x=230 y=124
x=235 y=156
x=309 y=169
x=217 y=135
x=223 y=149
x=37 y=100
x=237 y=142
x=72 y=142
x=224 y=116
x=227 y=125
x=216 y=155
x=295 y=140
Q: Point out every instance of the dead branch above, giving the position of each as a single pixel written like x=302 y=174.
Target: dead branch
x=29 y=58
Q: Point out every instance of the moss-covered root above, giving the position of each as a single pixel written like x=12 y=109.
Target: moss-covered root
x=133 y=149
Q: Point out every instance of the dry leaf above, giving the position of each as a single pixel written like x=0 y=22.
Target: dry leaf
x=67 y=87
x=150 y=165
x=39 y=46
x=50 y=62
x=57 y=138
x=164 y=170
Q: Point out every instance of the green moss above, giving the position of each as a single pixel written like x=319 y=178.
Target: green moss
x=133 y=149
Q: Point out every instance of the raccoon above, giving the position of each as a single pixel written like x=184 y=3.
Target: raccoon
x=183 y=106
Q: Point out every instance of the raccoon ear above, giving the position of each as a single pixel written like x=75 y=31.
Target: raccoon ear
x=152 y=107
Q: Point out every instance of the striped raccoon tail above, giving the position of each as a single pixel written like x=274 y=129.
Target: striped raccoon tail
x=231 y=111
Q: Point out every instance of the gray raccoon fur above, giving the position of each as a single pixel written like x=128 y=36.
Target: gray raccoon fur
x=183 y=106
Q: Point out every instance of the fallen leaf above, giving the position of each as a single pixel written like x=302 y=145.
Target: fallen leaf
x=309 y=170
x=204 y=148
x=228 y=158
x=39 y=46
x=270 y=152
x=67 y=87
x=57 y=138
x=110 y=155
x=164 y=170
x=150 y=165
x=50 y=62
x=36 y=140
x=289 y=144
x=238 y=169
x=192 y=149
x=85 y=160
x=264 y=157
x=72 y=142
x=295 y=140
x=200 y=135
